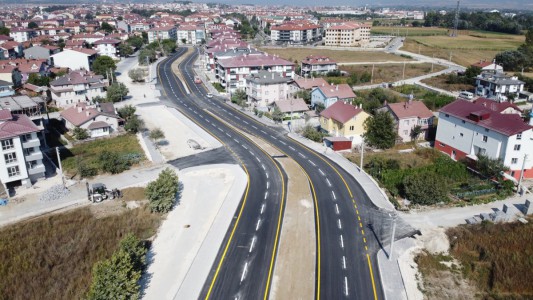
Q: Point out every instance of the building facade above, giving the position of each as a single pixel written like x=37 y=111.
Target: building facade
x=498 y=86
x=162 y=33
x=348 y=34
x=408 y=115
x=263 y=88
x=77 y=87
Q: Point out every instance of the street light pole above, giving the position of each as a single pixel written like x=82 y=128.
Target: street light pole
x=60 y=167
x=393 y=216
x=522 y=173
x=362 y=153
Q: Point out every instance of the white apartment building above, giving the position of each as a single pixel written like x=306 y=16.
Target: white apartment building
x=21 y=156
x=74 y=59
x=22 y=35
x=466 y=130
x=317 y=64
x=296 y=33
x=349 y=34
x=263 y=88
x=77 y=87
x=162 y=33
x=108 y=47
x=498 y=86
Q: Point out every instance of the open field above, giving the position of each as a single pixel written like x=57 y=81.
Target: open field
x=337 y=55
x=392 y=72
x=464 y=49
x=440 y=82
x=52 y=257
x=495 y=258
x=408 y=31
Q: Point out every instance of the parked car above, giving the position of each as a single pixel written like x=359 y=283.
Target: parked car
x=466 y=95
x=209 y=95
x=197 y=79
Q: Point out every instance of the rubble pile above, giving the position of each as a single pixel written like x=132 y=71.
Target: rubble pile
x=55 y=192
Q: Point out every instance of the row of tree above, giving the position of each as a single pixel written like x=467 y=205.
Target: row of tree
x=481 y=21
x=519 y=59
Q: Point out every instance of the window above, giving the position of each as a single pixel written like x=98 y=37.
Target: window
x=352 y=127
x=447 y=115
x=29 y=151
x=406 y=122
x=31 y=164
x=485 y=138
x=405 y=132
x=486 y=130
x=464 y=121
x=461 y=134
x=517 y=147
x=7 y=144
x=13 y=171
x=514 y=160
x=519 y=136
x=10 y=157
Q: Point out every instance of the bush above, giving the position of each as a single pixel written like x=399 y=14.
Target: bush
x=111 y=162
x=163 y=191
x=219 y=87
x=311 y=133
x=80 y=133
x=134 y=124
x=380 y=131
x=116 y=92
x=425 y=188
x=137 y=75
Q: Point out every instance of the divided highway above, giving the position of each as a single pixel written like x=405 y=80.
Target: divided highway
x=347 y=223
x=250 y=243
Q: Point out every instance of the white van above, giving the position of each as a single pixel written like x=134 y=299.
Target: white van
x=466 y=95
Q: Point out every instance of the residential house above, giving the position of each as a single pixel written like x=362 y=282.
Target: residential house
x=108 y=47
x=306 y=84
x=264 y=87
x=498 y=86
x=41 y=52
x=348 y=34
x=326 y=95
x=22 y=35
x=501 y=107
x=162 y=33
x=296 y=32
x=6 y=88
x=291 y=108
x=212 y=55
x=99 y=120
x=10 y=50
x=467 y=130
x=77 y=87
x=75 y=59
x=231 y=72
x=21 y=156
x=191 y=34
x=408 y=115
x=488 y=66
x=21 y=68
x=317 y=64
x=341 y=119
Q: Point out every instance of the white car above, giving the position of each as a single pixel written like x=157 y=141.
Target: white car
x=209 y=95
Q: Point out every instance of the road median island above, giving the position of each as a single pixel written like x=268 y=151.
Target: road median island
x=294 y=271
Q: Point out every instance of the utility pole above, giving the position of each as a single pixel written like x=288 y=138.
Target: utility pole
x=362 y=153
x=522 y=173
x=432 y=61
x=451 y=56
x=393 y=216
x=60 y=167
x=372 y=76
x=403 y=72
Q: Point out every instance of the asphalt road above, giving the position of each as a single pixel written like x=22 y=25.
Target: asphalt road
x=250 y=243
x=350 y=229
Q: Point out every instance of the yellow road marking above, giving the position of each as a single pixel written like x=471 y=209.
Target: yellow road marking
x=372 y=276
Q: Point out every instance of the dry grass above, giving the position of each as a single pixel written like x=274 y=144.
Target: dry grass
x=465 y=49
x=392 y=72
x=338 y=55
x=408 y=31
x=498 y=257
x=406 y=160
x=440 y=82
x=52 y=257
x=133 y=194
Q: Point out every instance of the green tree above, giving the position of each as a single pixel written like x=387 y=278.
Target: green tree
x=146 y=55
x=156 y=135
x=183 y=41
x=425 y=188
x=33 y=25
x=134 y=124
x=126 y=112
x=137 y=75
x=490 y=167
x=162 y=192
x=309 y=132
x=135 y=248
x=37 y=79
x=135 y=41
x=111 y=162
x=115 y=278
x=107 y=27
x=89 y=16
x=379 y=131
x=125 y=49
x=168 y=46
x=415 y=132
x=4 y=30
x=305 y=95
x=116 y=92
x=80 y=133
x=103 y=65
x=239 y=97
x=144 y=35
x=277 y=115
x=529 y=37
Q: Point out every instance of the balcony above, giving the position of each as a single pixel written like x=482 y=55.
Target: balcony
x=31 y=143
x=37 y=155
x=37 y=169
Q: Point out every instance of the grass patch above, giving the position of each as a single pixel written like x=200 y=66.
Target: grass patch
x=339 y=56
x=440 y=82
x=432 y=100
x=88 y=153
x=408 y=31
x=392 y=72
x=52 y=257
x=497 y=257
x=218 y=86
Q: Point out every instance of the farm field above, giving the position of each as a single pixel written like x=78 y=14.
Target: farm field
x=408 y=31
x=464 y=49
x=392 y=72
x=339 y=56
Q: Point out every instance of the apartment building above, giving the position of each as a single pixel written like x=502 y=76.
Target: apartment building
x=317 y=64
x=466 y=130
x=498 y=86
x=407 y=115
x=348 y=34
x=264 y=87
x=296 y=32
x=21 y=156
x=77 y=87
x=162 y=33
x=108 y=47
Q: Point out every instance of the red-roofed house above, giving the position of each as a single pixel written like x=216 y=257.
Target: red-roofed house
x=75 y=59
x=76 y=87
x=95 y=119
x=318 y=64
x=488 y=66
x=408 y=115
x=344 y=120
x=467 y=129
x=501 y=107
x=20 y=155
x=326 y=95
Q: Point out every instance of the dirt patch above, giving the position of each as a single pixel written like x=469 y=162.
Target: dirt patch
x=299 y=54
x=392 y=72
x=133 y=194
x=440 y=82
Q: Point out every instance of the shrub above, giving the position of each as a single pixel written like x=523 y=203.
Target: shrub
x=111 y=162
x=134 y=124
x=425 y=188
x=137 y=75
x=80 y=133
x=311 y=133
x=163 y=191
x=380 y=131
